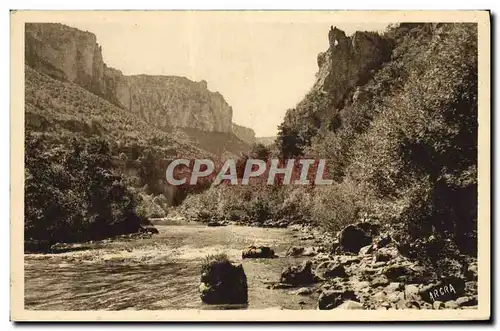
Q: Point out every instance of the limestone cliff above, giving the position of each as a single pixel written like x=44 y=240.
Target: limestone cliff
x=349 y=61
x=67 y=54
x=73 y=55
x=244 y=133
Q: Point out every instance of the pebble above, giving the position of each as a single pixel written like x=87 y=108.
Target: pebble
x=437 y=305
x=451 y=304
x=351 y=305
x=412 y=292
x=393 y=287
x=303 y=291
x=466 y=301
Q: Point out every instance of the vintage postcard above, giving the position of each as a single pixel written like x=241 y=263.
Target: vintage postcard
x=250 y=165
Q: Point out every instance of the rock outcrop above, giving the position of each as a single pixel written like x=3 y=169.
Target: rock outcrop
x=244 y=133
x=299 y=274
x=349 y=61
x=171 y=101
x=261 y=252
x=69 y=54
x=353 y=238
x=223 y=283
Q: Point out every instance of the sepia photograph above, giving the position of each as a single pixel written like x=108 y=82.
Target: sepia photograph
x=250 y=165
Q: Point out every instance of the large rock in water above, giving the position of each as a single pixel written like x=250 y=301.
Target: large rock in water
x=298 y=275
x=258 y=252
x=223 y=283
x=353 y=238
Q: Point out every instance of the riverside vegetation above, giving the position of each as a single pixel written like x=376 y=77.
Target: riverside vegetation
x=400 y=129
x=402 y=141
x=396 y=115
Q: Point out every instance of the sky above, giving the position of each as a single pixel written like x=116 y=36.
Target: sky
x=261 y=62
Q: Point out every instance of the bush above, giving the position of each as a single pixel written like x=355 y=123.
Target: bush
x=73 y=195
x=336 y=206
x=213 y=259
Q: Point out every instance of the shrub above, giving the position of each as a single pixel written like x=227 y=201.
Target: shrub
x=336 y=206
x=213 y=259
x=421 y=151
x=73 y=195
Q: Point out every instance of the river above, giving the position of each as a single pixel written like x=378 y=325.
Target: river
x=161 y=272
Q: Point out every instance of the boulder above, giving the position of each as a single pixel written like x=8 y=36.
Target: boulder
x=466 y=301
x=214 y=223
x=385 y=254
x=380 y=280
x=295 y=251
x=394 y=286
x=299 y=274
x=279 y=286
x=438 y=305
x=353 y=238
x=261 y=252
x=303 y=291
x=333 y=298
x=223 y=283
x=383 y=240
x=366 y=250
x=149 y=229
x=396 y=272
x=451 y=304
x=350 y=304
x=369 y=228
x=411 y=305
x=359 y=286
x=379 y=297
x=472 y=271
x=330 y=269
x=348 y=260
x=394 y=296
x=412 y=292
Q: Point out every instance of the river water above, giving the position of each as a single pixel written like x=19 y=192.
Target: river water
x=161 y=272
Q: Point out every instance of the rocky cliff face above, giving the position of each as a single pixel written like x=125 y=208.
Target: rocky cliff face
x=349 y=61
x=72 y=55
x=169 y=101
x=245 y=134
x=67 y=54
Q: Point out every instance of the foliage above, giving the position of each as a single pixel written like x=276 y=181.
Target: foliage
x=404 y=148
x=73 y=195
x=213 y=259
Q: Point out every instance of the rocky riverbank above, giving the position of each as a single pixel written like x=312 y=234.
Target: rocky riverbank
x=364 y=266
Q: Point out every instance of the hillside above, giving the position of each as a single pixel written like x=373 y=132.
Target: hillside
x=402 y=132
x=244 y=133
x=62 y=110
x=395 y=115
x=266 y=141
x=169 y=103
